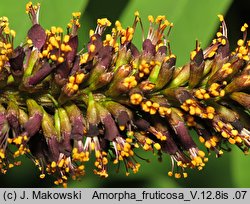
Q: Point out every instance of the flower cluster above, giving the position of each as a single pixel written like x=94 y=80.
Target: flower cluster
x=60 y=107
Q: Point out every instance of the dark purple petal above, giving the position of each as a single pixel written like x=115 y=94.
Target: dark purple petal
x=77 y=128
x=39 y=147
x=92 y=130
x=54 y=148
x=38 y=36
x=14 y=123
x=105 y=56
x=224 y=50
x=135 y=52
x=183 y=136
x=111 y=130
x=40 y=75
x=66 y=146
x=16 y=61
x=32 y=126
x=162 y=49
x=123 y=118
x=142 y=124
x=169 y=146
x=199 y=57
x=76 y=66
x=148 y=47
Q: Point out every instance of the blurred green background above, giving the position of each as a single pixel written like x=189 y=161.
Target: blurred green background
x=193 y=19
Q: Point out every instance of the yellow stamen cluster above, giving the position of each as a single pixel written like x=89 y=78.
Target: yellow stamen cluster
x=147 y=86
x=20 y=142
x=74 y=82
x=129 y=82
x=244 y=27
x=194 y=108
x=56 y=41
x=226 y=70
x=123 y=151
x=84 y=58
x=145 y=68
x=103 y=22
x=201 y=94
x=74 y=22
x=65 y=167
x=5 y=164
x=198 y=158
x=136 y=98
x=229 y=132
x=242 y=50
x=6 y=41
x=147 y=143
x=164 y=111
x=216 y=90
x=126 y=35
x=111 y=41
x=159 y=135
x=101 y=163
x=150 y=107
x=30 y=8
x=80 y=156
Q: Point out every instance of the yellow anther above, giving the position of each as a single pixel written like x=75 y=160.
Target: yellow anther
x=219 y=34
x=103 y=22
x=29 y=41
x=221 y=17
x=136 y=98
x=170 y=173
x=136 y=13
x=231 y=140
x=210 y=116
x=122 y=127
x=234 y=132
x=72 y=79
x=224 y=134
x=177 y=175
x=223 y=41
x=193 y=54
x=53 y=57
x=222 y=93
x=66 y=39
x=92 y=48
x=202 y=140
x=146 y=147
x=201 y=153
x=61 y=163
x=75 y=87
x=149 y=141
x=60 y=60
x=79 y=78
x=53 y=164
x=150 y=18
x=76 y=14
x=104 y=161
x=92 y=145
x=157 y=146
x=91 y=32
